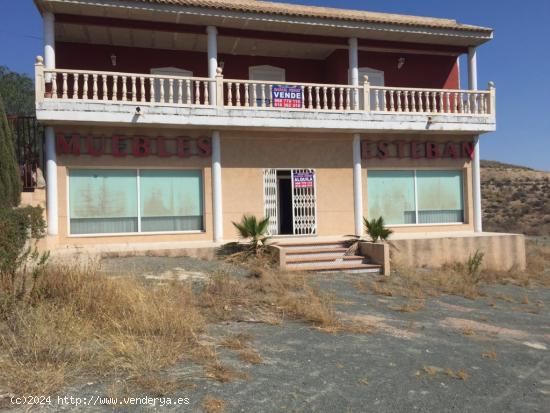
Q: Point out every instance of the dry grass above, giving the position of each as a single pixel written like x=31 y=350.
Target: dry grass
x=224 y=373
x=410 y=307
x=491 y=355
x=251 y=356
x=364 y=381
x=237 y=341
x=459 y=375
x=213 y=405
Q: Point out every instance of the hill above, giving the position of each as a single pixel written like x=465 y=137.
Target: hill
x=515 y=199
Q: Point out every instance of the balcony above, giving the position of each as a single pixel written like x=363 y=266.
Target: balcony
x=100 y=97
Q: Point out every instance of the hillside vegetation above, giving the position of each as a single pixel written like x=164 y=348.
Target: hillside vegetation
x=515 y=199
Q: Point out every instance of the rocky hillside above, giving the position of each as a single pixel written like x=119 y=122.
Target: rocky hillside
x=515 y=199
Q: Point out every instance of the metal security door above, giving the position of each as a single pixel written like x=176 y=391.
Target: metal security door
x=304 y=206
x=270 y=200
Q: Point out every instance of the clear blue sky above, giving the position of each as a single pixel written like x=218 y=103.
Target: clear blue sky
x=517 y=60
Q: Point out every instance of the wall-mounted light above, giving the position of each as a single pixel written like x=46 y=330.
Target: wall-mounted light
x=400 y=63
x=113 y=59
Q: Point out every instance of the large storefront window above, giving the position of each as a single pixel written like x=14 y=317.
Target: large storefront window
x=416 y=197
x=106 y=201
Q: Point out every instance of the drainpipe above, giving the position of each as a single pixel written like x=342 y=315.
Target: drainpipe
x=476 y=178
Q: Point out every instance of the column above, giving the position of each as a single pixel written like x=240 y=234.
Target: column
x=49 y=41
x=51 y=181
x=212 y=60
x=354 y=68
x=476 y=179
x=357 y=185
x=217 y=187
x=476 y=183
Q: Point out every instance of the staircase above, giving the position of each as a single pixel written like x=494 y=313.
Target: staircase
x=323 y=256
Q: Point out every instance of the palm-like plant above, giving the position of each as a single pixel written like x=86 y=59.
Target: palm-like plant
x=377 y=229
x=254 y=229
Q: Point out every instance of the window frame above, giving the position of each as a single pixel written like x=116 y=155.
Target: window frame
x=463 y=175
x=139 y=233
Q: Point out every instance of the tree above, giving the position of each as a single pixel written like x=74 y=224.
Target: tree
x=18 y=92
x=10 y=183
x=253 y=228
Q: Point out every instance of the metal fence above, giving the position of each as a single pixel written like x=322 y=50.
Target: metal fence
x=28 y=137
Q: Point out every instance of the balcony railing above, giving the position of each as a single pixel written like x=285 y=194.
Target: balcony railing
x=159 y=90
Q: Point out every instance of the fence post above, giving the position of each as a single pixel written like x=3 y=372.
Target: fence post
x=492 y=98
x=366 y=94
x=219 y=87
x=39 y=79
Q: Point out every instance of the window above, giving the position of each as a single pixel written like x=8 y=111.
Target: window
x=110 y=201
x=416 y=197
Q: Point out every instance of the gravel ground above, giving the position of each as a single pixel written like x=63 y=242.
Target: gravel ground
x=402 y=366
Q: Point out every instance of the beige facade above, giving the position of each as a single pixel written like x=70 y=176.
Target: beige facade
x=244 y=155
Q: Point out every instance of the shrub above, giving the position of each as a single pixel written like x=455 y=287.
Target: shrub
x=252 y=228
x=377 y=229
x=10 y=184
x=20 y=229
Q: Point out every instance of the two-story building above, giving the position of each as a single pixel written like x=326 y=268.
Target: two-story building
x=169 y=119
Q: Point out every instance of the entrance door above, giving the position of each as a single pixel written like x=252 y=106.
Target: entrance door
x=290 y=201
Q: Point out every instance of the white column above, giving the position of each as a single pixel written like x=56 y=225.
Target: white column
x=217 y=187
x=476 y=178
x=476 y=183
x=212 y=60
x=357 y=185
x=49 y=40
x=472 y=68
x=51 y=181
x=353 y=55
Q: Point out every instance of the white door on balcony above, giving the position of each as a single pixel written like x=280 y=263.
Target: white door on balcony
x=266 y=73
x=376 y=78
x=187 y=88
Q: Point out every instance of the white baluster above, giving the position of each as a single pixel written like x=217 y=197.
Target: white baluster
x=134 y=90
x=399 y=94
x=162 y=87
x=64 y=91
x=170 y=90
x=246 y=95
x=447 y=102
x=303 y=97
x=84 y=87
x=142 y=89
x=94 y=86
x=151 y=89
x=413 y=100
x=263 y=95
x=309 y=98
x=205 y=91
x=434 y=103
x=333 y=98
x=238 y=94
x=325 y=97
x=254 y=94
x=180 y=91
x=125 y=89
x=188 y=91
x=75 y=86
x=105 y=94
x=349 y=98
x=341 y=99
x=391 y=100
x=229 y=94
x=197 y=93
x=376 y=99
x=317 y=98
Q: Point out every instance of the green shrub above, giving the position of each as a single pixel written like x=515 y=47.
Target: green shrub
x=10 y=183
x=20 y=229
x=377 y=229
x=254 y=229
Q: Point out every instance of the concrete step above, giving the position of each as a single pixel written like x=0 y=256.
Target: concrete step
x=339 y=267
x=314 y=253
x=322 y=260
x=314 y=245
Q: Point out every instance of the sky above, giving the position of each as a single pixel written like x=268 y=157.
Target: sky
x=517 y=60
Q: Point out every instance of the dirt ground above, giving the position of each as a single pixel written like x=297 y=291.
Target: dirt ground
x=452 y=355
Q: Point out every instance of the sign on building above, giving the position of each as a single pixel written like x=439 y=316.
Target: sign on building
x=303 y=180
x=286 y=96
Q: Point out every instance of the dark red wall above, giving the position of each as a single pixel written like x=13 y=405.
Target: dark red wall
x=430 y=71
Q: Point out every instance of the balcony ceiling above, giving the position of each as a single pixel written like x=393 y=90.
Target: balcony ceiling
x=166 y=13
x=114 y=36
